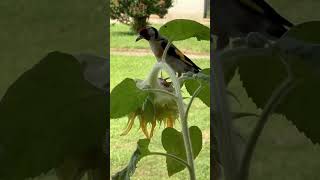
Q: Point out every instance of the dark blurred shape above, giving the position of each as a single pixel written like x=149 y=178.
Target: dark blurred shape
x=54 y=116
x=95 y=69
x=237 y=18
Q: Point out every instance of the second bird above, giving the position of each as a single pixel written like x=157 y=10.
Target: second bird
x=179 y=62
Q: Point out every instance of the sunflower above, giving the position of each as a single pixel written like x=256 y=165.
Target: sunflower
x=158 y=107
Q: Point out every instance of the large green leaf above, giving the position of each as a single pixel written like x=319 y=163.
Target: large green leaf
x=302 y=43
x=181 y=29
x=261 y=74
x=172 y=141
x=141 y=151
x=307 y=32
x=126 y=98
x=51 y=114
x=192 y=85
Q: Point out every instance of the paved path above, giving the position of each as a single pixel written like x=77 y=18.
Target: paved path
x=146 y=52
x=156 y=20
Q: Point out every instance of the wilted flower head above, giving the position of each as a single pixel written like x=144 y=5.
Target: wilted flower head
x=158 y=107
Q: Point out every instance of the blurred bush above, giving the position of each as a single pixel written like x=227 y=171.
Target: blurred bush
x=137 y=12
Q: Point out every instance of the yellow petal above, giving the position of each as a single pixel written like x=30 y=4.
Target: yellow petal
x=154 y=122
x=130 y=124
x=143 y=125
x=170 y=122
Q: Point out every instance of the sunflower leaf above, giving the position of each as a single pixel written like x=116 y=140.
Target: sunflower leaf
x=262 y=70
x=193 y=84
x=44 y=115
x=141 y=151
x=172 y=142
x=126 y=97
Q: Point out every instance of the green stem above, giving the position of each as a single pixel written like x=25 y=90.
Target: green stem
x=222 y=122
x=269 y=108
x=267 y=111
x=153 y=81
x=195 y=94
x=184 y=123
x=173 y=157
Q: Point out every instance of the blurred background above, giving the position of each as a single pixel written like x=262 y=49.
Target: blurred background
x=282 y=153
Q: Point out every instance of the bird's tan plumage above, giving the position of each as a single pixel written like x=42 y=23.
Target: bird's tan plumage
x=179 y=62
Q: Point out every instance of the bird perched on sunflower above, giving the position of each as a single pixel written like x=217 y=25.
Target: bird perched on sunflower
x=179 y=62
x=237 y=18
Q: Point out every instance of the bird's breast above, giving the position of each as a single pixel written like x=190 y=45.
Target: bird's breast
x=156 y=49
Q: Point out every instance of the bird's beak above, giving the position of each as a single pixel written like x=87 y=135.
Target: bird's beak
x=139 y=37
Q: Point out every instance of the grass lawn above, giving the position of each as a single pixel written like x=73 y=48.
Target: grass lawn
x=122 y=38
x=121 y=147
x=283 y=153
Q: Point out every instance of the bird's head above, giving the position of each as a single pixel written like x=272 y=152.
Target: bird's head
x=148 y=33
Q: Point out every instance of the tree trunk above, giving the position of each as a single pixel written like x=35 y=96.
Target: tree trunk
x=138 y=23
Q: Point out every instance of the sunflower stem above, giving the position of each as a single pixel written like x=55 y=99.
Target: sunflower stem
x=153 y=81
x=182 y=112
x=273 y=102
x=172 y=157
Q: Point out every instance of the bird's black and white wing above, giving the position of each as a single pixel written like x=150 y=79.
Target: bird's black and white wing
x=176 y=53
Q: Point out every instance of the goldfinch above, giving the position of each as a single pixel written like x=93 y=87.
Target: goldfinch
x=179 y=62
x=237 y=18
